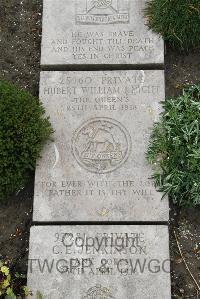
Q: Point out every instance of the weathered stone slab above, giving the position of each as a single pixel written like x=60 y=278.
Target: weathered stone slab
x=84 y=262
x=96 y=170
x=88 y=32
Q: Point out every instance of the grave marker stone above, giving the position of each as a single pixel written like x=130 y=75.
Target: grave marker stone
x=95 y=169
x=95 y=262
x=100 y=32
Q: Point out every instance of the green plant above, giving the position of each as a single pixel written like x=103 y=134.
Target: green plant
x=178 y=21
x=174 y=149
x=23 y=131
x=39 y=295
x=11 y=284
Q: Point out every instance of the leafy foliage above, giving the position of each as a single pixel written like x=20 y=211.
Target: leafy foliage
x=178 y=21
x=23 y=132
x=11 y=283
x=174 y=149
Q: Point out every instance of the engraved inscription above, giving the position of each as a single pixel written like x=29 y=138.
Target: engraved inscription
x=102 y=11
x=99 y=44
x=140 y=188
x=101 y=145
x=98 y=292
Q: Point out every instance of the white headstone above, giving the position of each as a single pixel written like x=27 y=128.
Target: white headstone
x=100 y=262
x=96 y=169
x=98 y=32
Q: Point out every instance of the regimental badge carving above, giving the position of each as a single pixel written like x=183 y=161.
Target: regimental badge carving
x=101 y=3
x=102 y=11
x=101 y=145
x=98 y=292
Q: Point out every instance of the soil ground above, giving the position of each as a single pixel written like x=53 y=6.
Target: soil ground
x=20 y=35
